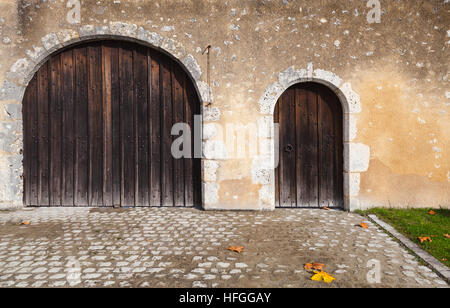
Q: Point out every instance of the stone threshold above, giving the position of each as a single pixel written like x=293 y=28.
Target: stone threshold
x=431 y=261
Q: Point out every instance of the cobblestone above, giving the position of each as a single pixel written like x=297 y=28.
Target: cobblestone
x=164 y=247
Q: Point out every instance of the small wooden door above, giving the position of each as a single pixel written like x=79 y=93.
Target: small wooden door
x=310 y=170
x=97 y=129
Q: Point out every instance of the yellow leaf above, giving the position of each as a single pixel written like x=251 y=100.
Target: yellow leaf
x=317 y=277
x=328 y=278
x=323 y=276
x=26 y=223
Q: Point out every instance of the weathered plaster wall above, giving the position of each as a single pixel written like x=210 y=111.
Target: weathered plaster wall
x=397 y=142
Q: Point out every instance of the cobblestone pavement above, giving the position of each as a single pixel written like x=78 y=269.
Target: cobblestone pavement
x=161 y=247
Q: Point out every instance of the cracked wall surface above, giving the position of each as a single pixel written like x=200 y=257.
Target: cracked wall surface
x=392 y=78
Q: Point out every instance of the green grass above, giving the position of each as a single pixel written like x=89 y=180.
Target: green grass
x=415 y=223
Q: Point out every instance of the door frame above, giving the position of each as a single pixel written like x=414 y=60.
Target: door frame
x=25 y=69
x=356 y=155
x=289 y=126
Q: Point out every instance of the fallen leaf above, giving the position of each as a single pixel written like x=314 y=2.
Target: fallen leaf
x=318 y=266
x=322 y=276
x=26 y=223
x=308 y=266
x=444 y=259
x=425 y=239
x=431 y=212
x=326 y=208
x=237 y=249
x=314 y=266
x=447 y=235
x=364 y=225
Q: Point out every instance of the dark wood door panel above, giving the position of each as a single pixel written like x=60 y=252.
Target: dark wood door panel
x=97 y=124
x=310 y=172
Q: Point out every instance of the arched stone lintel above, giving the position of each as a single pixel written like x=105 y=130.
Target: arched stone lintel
x=23 y=70
x=349 y=99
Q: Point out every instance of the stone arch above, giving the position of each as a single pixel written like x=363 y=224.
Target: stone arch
x=356 y=155
x=23 y=70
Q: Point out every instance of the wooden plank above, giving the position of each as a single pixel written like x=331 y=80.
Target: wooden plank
x=68 y=144
x=167 y=122
x=34 y=155
x=26 y=142
x=81 y=171
x=330 y=151
x=107 y=127
x=178 y=117
x=115 y=109
x=276 y=120
x=95 y=126
x=292 y=155
x=283 y=122
x=55 y=131
x=300 y=122
x=141 y=125
x=127 y=126
x=31 y=163
x=338 y=153
x=307 y=147
x=189 y=102
x=310 y=155
x=287 y=162
x=155 y=128
x=324 y=119
x=43 y=134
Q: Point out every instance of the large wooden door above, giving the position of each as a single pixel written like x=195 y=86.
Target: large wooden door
x=97 y=125
x=310 y=170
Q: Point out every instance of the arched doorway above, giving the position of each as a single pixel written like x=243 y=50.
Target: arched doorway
x=310 y=170
x=97 y=129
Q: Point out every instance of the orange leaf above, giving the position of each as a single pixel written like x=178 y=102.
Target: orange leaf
x=26 y=223
x=308 y=266
x=364 y=225
x=326 y=208
x=237 y=249
x=319 y=266
x=314 y=266
x=444 y=259
x=447 y=235
x=425 y=239
x=431 y=212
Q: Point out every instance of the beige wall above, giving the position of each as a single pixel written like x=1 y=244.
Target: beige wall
x=394 y=74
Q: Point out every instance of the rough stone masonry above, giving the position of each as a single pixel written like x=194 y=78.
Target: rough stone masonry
x=388 y=61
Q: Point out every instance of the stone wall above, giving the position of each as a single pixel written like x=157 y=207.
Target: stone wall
x=389 y=70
